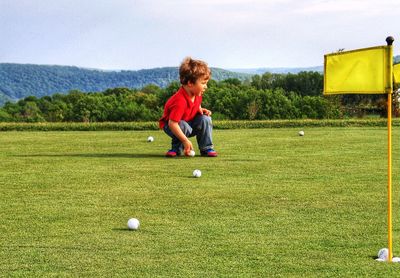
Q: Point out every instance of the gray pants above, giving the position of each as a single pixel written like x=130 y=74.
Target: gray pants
x=200 y=126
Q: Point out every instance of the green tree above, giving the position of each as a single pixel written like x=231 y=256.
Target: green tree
x=5 y=116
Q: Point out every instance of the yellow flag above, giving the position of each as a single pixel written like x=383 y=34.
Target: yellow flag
x=396 y=73
x=360 y=71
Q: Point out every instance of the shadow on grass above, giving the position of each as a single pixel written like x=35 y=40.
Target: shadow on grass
x=98 y=155
x=122 y=230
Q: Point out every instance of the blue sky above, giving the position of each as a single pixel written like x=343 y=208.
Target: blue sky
x=138 y=34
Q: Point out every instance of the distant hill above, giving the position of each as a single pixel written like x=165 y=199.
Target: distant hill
x=260 y=71
x=22 y=80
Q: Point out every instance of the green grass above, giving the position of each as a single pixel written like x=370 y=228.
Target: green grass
x=272 y=204
x=218 y=124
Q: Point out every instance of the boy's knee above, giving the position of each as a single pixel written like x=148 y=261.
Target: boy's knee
x=185 y=127
x=204 y=122
x=205 y=119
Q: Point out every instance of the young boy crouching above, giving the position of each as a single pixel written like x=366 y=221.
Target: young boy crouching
x=183 y=115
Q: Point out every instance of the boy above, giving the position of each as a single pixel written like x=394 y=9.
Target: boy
x=183 y=115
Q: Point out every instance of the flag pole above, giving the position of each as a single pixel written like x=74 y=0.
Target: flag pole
x=389 y=88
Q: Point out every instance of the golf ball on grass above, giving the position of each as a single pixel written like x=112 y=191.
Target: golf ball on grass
x=197 y=173
x=383 y=254
x=192 y=153
x=301 y=133
x=150 y=139
x=133 y=224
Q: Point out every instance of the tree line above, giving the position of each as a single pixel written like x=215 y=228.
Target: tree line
x=21 y=80
x=263 y=97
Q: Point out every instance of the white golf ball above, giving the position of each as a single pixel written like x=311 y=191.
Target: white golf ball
x=395 y=260
x=150 y=139
x=383 y=254
x=133 y=224
x=301 y=133
x=197 y=173
x=192 y=153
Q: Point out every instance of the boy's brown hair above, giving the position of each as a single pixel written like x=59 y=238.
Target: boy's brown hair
x=191 y=70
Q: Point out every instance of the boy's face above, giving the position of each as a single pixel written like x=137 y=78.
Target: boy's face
x=199 y=87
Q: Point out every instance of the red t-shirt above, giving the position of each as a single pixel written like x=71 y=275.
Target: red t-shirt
x=180 y=107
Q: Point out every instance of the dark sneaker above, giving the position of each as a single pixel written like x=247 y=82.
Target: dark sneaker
x=172 y=153
x=209 y=153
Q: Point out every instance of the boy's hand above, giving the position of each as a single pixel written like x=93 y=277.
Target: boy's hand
x=177 y=131
x=205 y=111
x=187 y=147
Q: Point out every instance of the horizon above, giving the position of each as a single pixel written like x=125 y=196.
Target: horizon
x=100 y=69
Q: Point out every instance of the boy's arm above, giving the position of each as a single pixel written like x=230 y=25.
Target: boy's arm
x=177 y=131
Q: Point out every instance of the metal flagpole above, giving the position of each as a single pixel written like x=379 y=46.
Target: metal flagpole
x=389 y=88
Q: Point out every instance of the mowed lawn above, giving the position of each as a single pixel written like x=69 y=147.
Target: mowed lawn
x=272 y=204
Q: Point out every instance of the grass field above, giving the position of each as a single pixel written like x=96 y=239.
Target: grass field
x=272 y=204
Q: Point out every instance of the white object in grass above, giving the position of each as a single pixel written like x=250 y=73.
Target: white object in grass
x=197 y=173
x=301 y=133
x=150 y=139
x=133 y=224
x=395 y=260
x=383 y=254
